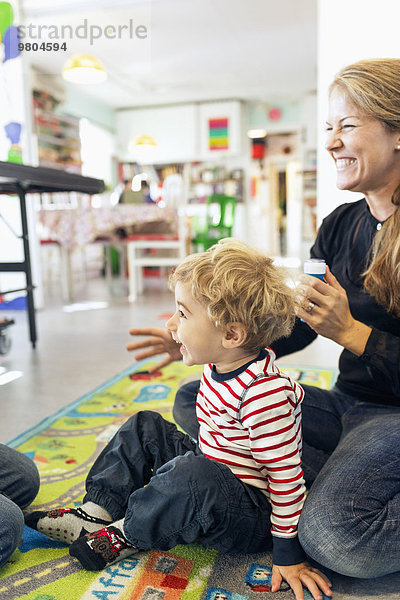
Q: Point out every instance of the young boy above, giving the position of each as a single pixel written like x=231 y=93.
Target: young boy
x=241 y=488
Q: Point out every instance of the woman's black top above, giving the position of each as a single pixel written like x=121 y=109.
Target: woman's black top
x=344 y=241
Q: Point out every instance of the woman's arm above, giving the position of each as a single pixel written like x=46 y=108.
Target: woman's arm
x=332 y=318
x=382 y=352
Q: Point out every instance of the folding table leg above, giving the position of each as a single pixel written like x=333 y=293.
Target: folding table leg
x=132 y=282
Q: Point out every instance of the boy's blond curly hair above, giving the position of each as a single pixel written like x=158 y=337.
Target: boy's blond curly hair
x=238 y=284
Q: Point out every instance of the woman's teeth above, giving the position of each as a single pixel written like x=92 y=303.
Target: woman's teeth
x=342 y=163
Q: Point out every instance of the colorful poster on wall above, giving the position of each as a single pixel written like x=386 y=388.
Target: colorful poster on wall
x=218 y=133
x=220 y=127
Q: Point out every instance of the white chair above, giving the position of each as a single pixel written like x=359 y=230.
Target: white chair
x=138 y=255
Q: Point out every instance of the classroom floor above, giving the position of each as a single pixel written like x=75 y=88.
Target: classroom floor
x=77 y=351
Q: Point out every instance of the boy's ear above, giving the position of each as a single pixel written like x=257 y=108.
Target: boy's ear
x=235 y=335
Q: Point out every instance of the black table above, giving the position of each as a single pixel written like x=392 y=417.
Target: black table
x=22 y=180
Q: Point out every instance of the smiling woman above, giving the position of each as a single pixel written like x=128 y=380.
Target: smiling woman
x=362 y=148
x=364 y=140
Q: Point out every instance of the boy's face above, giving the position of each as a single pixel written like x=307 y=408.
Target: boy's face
x=190 y=325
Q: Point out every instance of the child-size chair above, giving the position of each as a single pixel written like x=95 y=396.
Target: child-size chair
x=148 y=250
x=216 y=224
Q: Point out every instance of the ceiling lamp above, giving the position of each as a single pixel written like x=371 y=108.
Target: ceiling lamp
x=144 y=141
x=142 y=149
x=84 y=68
x=257 y=133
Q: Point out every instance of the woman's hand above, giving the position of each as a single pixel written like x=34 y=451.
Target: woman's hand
x=324 y=306
x=160 y=342
x=297 y=576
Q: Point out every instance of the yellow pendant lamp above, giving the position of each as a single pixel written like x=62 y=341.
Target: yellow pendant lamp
x=85 y=69
x=144 y=141
x=142 y=148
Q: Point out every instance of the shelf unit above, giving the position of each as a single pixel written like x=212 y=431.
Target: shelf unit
x=209 y=179
x=58 y=138
x=200 y=181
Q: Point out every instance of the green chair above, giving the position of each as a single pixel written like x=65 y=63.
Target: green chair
x=216 y=224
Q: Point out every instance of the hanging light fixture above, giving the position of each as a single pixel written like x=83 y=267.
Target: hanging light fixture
x=143 y=148
x=144 y=141
x=85 y=69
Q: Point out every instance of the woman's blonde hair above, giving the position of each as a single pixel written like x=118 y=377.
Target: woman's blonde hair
x=238 y=284
x=374 y=87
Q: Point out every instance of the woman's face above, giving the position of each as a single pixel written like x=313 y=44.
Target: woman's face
x=364 y=150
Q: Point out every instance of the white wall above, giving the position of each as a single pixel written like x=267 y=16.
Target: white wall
x=97 y=151
x=172 y=127
x=308 y=109
x=79 y=105
x=180 y=131
x=348 y=30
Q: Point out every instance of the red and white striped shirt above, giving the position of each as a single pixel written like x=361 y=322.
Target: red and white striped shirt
x=250 y=420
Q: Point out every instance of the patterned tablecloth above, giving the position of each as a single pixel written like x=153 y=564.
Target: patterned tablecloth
x=74 y=228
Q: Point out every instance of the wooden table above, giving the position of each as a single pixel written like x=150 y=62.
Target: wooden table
x=73 y=229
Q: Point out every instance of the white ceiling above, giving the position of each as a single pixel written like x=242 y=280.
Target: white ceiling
x=195 y=49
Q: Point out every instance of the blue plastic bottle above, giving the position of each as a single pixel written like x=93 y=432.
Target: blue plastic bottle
x=315 y=267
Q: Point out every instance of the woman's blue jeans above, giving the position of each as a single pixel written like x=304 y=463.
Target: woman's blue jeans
x=19 y=484
x=350 y=522
x=169 y=493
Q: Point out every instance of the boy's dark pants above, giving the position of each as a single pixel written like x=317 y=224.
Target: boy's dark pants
x=169 y=493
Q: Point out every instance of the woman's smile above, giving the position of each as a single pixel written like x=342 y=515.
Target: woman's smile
x=344 y=163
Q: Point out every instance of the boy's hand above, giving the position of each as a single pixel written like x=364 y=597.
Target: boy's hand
x=297 y=576
x=159 y=342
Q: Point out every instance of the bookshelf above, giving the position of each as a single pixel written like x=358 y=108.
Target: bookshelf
x=58 y=139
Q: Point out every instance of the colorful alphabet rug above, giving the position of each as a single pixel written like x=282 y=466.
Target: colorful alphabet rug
x=64 y=446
